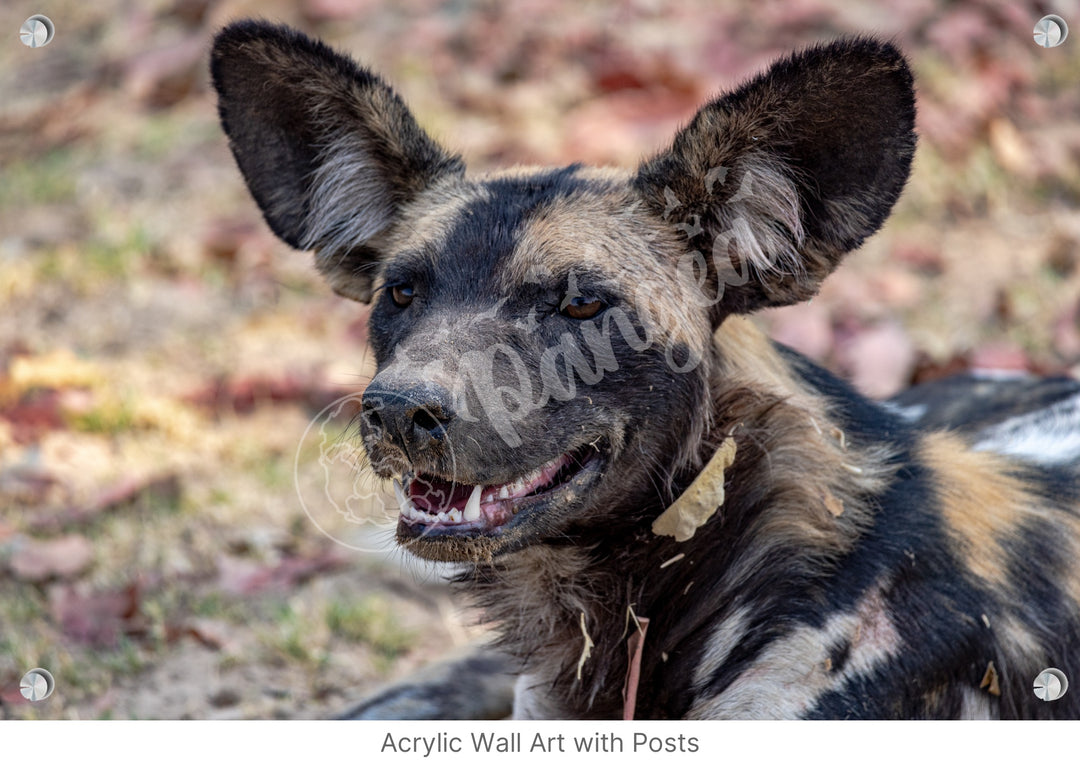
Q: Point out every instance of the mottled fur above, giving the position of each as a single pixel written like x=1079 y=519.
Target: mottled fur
x=917 y=559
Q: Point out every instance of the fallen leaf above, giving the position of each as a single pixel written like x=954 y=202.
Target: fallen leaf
x=97 y=617
x=33 y=415
x=701 y=499
x=164 y=75
x=243 y=394
x=207 y=632
x=244 y=577
x=164 y=488
x=60 y=558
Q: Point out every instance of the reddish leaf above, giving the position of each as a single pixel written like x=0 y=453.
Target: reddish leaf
x=98 y=617
x=165 y=488
x=224 y=239
x=63 y=557
x=163 y=76
x=36 y=413
x=244 y=394
x=10 y=694
x=245 y=577
x=209 y=633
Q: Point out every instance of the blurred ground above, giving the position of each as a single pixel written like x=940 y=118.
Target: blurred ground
x=161 y=355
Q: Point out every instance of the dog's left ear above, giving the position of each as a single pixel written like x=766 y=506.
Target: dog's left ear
x=774 y=182
x=328 y=150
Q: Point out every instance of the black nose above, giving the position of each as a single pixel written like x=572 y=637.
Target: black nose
x=413 y=418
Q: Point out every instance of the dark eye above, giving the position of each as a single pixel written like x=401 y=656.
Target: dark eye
x=582 y=307
x=401 y=295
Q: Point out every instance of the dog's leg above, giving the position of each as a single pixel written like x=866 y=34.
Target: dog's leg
x=477 y=685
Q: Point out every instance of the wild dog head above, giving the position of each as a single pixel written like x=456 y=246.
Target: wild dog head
x=544 y=337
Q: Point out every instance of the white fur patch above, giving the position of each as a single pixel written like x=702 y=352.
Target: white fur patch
x=1050 y=436
x=723 y=639
x=912 y=413
x=766 y=196
x=530 y=701
x=350 y=203
x=793 y=673
x=975 y=705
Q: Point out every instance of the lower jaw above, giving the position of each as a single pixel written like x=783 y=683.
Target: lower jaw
x=523 y=523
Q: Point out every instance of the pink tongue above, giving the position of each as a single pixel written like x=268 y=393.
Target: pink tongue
x=437 y=495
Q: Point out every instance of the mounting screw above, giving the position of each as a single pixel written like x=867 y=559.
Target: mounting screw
x=37 y=31
x=1051 y=31
x=37 y=684
x=1051 y=684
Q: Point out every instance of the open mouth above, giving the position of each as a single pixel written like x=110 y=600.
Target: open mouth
x=432 y=505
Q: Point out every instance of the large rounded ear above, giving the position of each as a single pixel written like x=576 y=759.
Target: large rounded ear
x=328 y=150
x=774 y=182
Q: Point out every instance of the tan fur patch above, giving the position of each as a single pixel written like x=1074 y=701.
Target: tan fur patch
x=747 y=355
x=607 y=231
x=984 y=507
x=822 y=486
x=427 y=221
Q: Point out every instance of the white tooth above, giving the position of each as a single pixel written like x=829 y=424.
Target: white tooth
x=472 y=508
x=455 y=516
x=403 y=502
x=504 y=493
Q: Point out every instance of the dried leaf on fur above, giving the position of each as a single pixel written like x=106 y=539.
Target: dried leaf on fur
x=833 y=504
x=586 y=650
x=838 y=434
x=634 y=645
x=705 y=494
x=672 y=560
x=990 y=680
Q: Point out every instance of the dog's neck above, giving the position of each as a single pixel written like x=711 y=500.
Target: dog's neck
x=797 y=495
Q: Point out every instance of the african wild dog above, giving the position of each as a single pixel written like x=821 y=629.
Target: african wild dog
x=562 y=356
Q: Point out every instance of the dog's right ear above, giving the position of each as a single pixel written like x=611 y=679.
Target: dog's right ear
x=328 y=150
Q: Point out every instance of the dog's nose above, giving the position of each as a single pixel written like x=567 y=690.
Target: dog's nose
x=413 y=418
